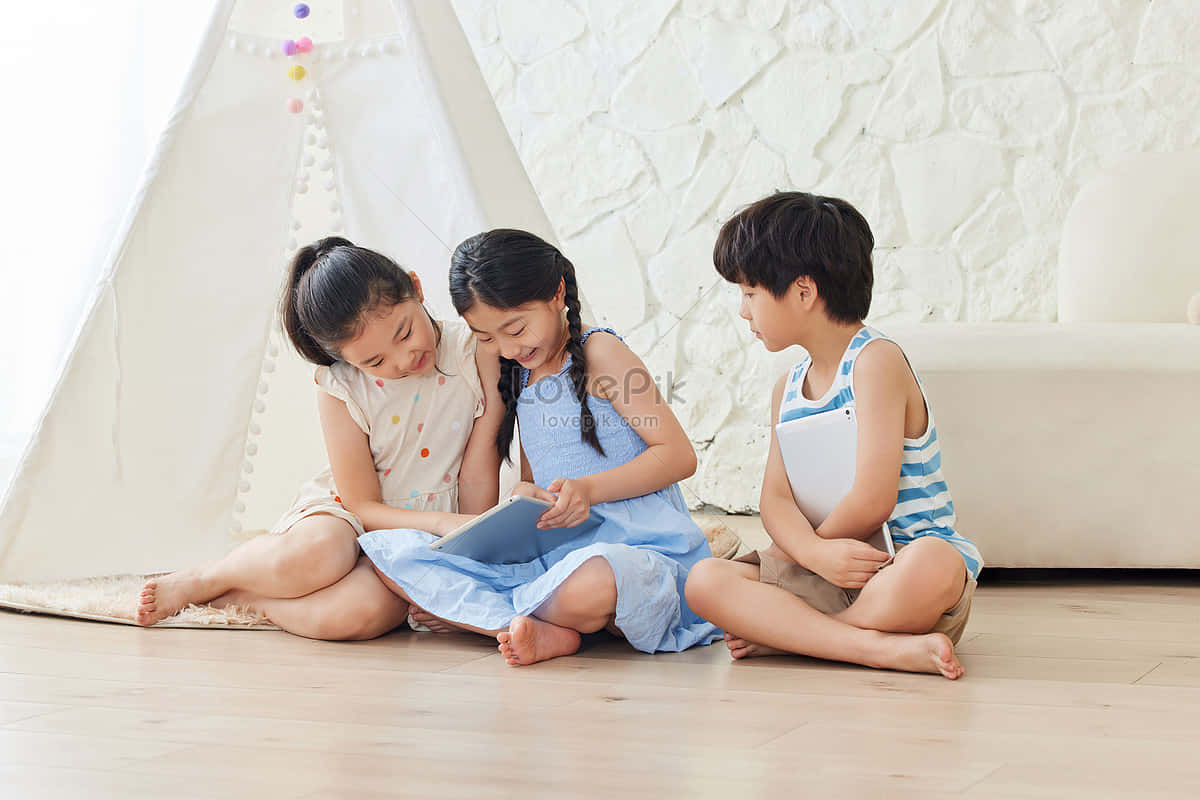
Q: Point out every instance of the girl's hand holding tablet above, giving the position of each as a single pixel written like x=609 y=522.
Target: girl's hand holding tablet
x=572 y=505
x=571 y=499
x=530 y=489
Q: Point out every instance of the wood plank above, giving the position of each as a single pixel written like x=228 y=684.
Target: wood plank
x=1077 y=647
x=30 y=782
x=16 y=710
x=32 y=748
x=1174 y=672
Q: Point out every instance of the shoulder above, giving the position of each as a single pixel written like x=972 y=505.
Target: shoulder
x=487 y=364
x=601 y=341
x=780 y=384
x=454 y=329
x=341 y=385
x=458 y=348
x=609 y=361
x=457 y=338
x=604 y=348
x=881 y=364
x=336 y=379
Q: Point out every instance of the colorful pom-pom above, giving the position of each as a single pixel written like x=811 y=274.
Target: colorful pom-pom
x=304 y=44
x=296 y=73
x=288 y=47
x=294 y=105
x=301 y=11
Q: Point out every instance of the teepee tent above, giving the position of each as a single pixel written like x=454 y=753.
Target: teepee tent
x=181 y=416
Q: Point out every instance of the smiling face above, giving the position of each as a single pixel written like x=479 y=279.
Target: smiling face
x=394 y=342
x=533 y=334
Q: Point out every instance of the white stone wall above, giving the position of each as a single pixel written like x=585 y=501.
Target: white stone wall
x=960 y=128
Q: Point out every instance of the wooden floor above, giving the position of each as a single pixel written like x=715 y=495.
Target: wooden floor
x=1073 y=688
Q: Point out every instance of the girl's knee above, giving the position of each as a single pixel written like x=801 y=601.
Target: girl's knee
x=585 y=600
x=365 y=617
x=704 y=582
x=328 y=549
x=593 y=582
x=344 y=627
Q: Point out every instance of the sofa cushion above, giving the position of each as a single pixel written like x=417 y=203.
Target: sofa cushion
x=1130 y=247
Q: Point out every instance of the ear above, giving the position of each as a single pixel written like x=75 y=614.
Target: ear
x=560 y=296
x=417 y=286
x=806 y=290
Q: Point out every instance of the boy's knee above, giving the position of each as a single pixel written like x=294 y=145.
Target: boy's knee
x=940 y=568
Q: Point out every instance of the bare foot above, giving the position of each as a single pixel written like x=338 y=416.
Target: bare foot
x=435 y=624
x=931 y=652
x=529 y=640
x=165 y=595
x=744 y=648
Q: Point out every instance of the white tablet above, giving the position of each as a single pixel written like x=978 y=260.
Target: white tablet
x=507 y=533
x=819 y=453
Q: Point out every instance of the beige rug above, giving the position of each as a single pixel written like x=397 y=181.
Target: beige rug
x=113 y=598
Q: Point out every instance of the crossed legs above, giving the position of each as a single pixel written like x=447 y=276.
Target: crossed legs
x=309 y=581
x=884 y=628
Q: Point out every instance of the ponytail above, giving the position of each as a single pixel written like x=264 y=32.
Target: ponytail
x=331 y=284
x=289 y=312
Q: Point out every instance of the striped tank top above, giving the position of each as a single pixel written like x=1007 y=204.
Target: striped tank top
x=923 y=503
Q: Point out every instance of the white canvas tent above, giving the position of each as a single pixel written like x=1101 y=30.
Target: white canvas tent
x=181 y=416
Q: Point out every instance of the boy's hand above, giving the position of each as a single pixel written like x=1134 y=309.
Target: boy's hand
x=848 y=563
x=571 y=507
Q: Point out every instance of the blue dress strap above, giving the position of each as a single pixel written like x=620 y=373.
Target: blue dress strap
x=583 y=340
x=590 y=331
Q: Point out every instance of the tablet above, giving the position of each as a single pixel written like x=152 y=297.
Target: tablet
x=507 y=533
x=819 y=454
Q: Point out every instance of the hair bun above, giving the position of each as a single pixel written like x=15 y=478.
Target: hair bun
x=330 y=243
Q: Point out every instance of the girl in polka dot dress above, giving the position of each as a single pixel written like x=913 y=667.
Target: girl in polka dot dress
x=409 y=428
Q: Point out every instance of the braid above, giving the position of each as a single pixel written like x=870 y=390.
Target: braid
x=510 y=387
x=578 y=370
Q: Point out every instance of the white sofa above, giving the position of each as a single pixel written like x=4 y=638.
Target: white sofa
x=1068 y=445
x=1077 y=444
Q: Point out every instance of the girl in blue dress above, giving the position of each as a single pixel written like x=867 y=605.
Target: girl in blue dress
x=596 y=436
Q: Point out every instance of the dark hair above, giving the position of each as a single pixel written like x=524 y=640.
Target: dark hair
x=790 y=235
x=331 y=284
x=505 y=268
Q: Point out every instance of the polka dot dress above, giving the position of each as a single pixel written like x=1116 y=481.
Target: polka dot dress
x=417 y=429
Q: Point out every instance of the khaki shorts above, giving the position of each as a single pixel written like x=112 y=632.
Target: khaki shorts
x=829 y=599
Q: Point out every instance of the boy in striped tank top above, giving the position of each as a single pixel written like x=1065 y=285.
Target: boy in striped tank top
x=803 y=263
